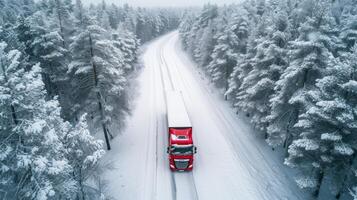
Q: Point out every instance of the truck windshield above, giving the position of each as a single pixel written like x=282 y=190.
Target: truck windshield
x=177 y=150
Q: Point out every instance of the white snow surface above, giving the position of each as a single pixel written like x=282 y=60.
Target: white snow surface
x=176 y=110
x=231 y=163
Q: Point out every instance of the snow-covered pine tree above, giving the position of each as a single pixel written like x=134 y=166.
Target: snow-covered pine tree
x=79 y=14
x=322 y=114
x=348 y=21
x=309 y=57
x=98 y=76
x=8 y=35
x=33 y=160
x=83 y=152
x=115 y=15
x=267 y=65
x=249 y=34
x=163 y=23
x=40 y=152
x=141 y=29
x=257 y=84
x=61 y=11
x=10 y=10
x=202 y=41
x=329 y=125
x=242 y=30
x=199 y=38
x=306 y=46
x=224 y=55
x=26 y=36
x=48 y=49
x=104 y=21
x=333 y=113
x=127 y=42
x=130 y=19
x=101 y=10
x=185 y=26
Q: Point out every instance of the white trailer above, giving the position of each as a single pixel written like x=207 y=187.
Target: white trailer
x=180 y=143
x=177 y=116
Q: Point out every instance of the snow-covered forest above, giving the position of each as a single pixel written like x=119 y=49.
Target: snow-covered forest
x=64 y=78
x=67 y=83
x=290 y=67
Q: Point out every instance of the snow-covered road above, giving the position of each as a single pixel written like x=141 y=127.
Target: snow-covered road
x=231 y=162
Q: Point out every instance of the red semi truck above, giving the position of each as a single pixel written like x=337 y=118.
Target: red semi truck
x=180 y=142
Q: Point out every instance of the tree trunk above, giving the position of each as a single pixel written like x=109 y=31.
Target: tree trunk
x=289 y=137
x=80 y=12
x=110 y=134
x=60 y=21
x=99 y=98
x=320 y=177
x=103 y=122
x=227 y=83
x=81 y=184
x=226 y=89
x=306 y=72
x=346 y=177
x=287 y=143
x=13 y=114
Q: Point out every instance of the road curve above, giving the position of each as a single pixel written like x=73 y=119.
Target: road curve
x=232 y=163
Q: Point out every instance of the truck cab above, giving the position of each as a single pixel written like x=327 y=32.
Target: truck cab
x=180 y=148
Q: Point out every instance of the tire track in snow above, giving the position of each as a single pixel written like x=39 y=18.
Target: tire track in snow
x=215 y=175
x=223 y=120
x=172 y=177
x=163 y=62
x=156 y=140
x=233 y=144
x=149 y=192
x=188 y=178
x=230 y=125
x=230 y=140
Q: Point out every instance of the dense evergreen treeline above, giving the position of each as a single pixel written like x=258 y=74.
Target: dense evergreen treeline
x=62 y=65
x=291 y=67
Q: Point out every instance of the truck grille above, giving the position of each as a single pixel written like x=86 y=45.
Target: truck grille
x=181 y=164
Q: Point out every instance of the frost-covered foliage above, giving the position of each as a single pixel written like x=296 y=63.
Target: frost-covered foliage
x=37 y=145
x=86 y=54
x=291 y=67
x=353 y=193
x=83 y=152
x=97 y=71
x=64 y=67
